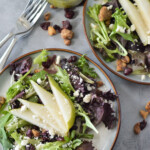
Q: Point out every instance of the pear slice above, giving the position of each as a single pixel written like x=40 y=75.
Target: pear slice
x=50 y=103
x=30 y=117
x=43 y=113
x=65 y=104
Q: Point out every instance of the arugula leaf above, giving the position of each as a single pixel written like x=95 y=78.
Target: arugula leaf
x=121 y=22
x=62 y=78
x=82 y=113
x=83 y=65
x=93 y=12
x=3 y=136
x=41 y=58
x=16 y=87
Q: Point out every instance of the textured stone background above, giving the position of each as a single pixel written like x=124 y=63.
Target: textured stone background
x=133 y=97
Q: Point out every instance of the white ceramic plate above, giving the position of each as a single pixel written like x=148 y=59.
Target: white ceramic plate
x=106 y=139
x=111 y=65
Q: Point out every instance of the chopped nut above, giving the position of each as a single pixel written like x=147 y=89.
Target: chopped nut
x=2 y=100
x=52 y=6
x=51 y=31
x=67 y=34
x=144 y=114
x=125 y=59
x=100 y=83
x=147 y=107
x=120 y=65
x=104 y=14
x=107 y=22
x=137 y=128
x=36 y=70
x=47 y=16
x=67 y=42
x=35 y=133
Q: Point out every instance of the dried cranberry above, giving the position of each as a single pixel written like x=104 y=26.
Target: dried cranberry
x=15 y=104
x=72 y=59
x=69 y=13
x=45 y=25
x=143 y=124
x=66 y=25
x=47 y=64
x=30 y=147
x=58 y=28
x=127 y=71
x=45 y=137
x=29 y=133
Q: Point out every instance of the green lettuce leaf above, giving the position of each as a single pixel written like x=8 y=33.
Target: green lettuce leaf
x=83 y=65
x=16 y=87
x=82 y=113
x=3 y=135
x=62 y=78
x=41 y=58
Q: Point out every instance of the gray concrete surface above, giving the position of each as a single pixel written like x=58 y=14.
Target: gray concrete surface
x=133 y=97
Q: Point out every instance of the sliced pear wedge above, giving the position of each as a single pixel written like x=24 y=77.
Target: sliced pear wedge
x=50 y=103
x=30 y=117
x=42 y=112
x=65 y=104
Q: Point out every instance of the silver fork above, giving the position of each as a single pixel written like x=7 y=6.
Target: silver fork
x=24 y=26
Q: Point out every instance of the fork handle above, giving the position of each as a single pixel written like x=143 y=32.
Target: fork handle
x=5 y=39
x=4 y=58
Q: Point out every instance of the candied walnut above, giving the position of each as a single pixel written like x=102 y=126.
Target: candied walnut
x=51 y=31
x=120 y=65
x=144 y=114
x=125 y=59
x=100 y=83
x=67 y=42
x=36 y=70
x=47 y=16
x=35 y=133
x=147 y=107
x=52 y=6
x=67 y=34
x=137 y=128
x=104 y=14
x=2 y=100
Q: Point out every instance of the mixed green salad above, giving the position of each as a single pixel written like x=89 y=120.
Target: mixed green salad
x=120 y=30
x=53 y=103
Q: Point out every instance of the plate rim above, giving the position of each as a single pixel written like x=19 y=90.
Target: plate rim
x=79 y=54
x=100 y=60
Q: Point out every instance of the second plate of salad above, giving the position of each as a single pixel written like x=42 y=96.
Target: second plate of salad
x=57 y=99
x=118 y=32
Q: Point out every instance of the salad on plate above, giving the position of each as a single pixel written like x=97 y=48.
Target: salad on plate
x=120 y=31
x=54 y=103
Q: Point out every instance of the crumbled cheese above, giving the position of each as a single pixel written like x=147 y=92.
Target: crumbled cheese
x=111 y=26
x=39 y=81
x=120 y=29
x=58 y=60
x=17 y=147
x=39 y=146
x=132 y=27
x=81 y=95
x=110 y=7
x=89 y=88
x=76 y=93
x=52 y=133
x=87 y=98
x=23 y=108
x=24 y=142
x=129 y=31
x=143 y=77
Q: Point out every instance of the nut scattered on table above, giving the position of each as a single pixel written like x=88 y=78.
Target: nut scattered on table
x=144 y=114
x=51 y=31
x=47 y=16
x=67 y=34
x=137 y=128
x=67 y=42
x=147 y=107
